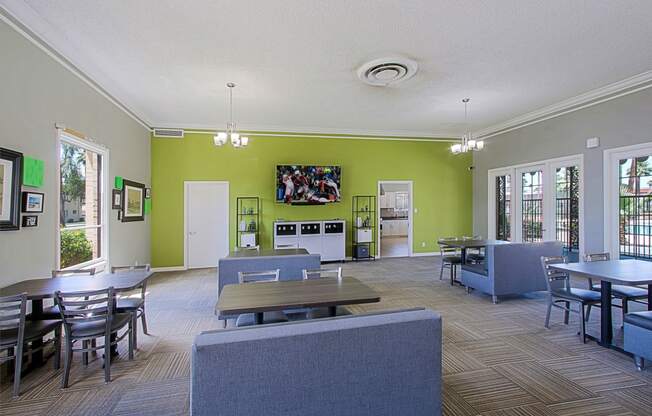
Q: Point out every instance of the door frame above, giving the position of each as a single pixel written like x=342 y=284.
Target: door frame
x=549 y=166
x=186 y=187
x=611 y=191
x=410 y=185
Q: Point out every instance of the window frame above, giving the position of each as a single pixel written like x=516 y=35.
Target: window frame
x=64 y=136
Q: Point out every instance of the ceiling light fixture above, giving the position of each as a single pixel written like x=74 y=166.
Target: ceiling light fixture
x=231 y=133
x=468 y=143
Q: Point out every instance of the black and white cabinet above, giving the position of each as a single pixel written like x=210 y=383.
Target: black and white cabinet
x=326 y=238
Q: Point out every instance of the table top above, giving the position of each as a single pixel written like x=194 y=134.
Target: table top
x=268 y=253
x=470 y=243
x=624 y=272
x=45 y=288
x=288 y=294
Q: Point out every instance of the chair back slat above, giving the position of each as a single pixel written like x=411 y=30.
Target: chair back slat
x=260 y=276
x=13 y=313
x=555 y=279
x=597 y=257
x=96 y=305
x=131 y=268
x=73 y=272
x=322 y=273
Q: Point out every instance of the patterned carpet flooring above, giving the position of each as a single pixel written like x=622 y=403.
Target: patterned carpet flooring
x=498 y=359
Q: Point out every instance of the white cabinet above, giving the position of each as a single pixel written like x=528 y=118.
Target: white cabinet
x=395 y=227
x=390 y=199
x=403 y=227
x=382 y=201
x=326 y=238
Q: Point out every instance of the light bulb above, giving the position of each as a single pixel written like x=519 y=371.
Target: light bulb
x=219 y=139
x=471 y=144
x=456 y=148
x=235 y=138
x=244 y=140
x=480 y=144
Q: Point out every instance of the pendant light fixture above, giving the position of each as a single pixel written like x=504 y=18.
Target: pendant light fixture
x=231 y=132
x=468 y=143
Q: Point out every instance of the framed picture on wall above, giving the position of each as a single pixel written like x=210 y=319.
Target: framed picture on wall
x=33 y=202
x=116 y=199
x=133 y=201
x=11 y=168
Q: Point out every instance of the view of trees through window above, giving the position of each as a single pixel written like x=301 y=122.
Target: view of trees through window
x=80 y=209
x=567 y=197
x=532 y=206
x=635 y=219
x=503 y=207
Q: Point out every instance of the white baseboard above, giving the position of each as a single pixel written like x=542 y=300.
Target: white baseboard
x=426 y=254
x=168 y=269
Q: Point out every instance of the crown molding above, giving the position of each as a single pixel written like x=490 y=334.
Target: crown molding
x=270 y=130
x=13 y=22
x=600 y=95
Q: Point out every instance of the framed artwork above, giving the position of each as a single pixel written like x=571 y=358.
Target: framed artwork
x=33 y=202
x=11 y=168
x=30 y=221
x=133 y=201
x=116 y=199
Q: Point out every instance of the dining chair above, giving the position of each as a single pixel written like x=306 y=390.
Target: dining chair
x=317 y=313
x=625 y=293
x=450 y=258
x=17 y=334
x=134 y=302
x=260 y=277
x=561 y=292
x=52 y=312
x=92 y=317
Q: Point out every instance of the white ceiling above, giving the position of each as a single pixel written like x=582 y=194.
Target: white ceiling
x=295 y=61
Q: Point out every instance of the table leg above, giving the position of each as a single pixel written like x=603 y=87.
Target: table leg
x=332 y=311
x=37 y=314
x=463 y=255
x=258 y=318
x=606 y=327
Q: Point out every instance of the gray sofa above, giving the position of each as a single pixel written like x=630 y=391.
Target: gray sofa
x=510 y=269
x=382 y=364
x=291 y=263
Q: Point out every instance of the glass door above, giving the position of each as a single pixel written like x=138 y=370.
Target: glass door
x=635 y=202
x=503 y=207
x=531 y=215
x=567 y=206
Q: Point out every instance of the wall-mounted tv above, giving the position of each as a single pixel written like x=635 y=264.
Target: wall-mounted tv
x=308 y=185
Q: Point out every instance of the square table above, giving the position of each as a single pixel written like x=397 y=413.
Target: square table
x=620 y=272
x=262 y=297
x=39 y=289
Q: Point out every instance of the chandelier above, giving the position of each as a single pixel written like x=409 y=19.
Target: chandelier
x=231 y=133
x=468 y=143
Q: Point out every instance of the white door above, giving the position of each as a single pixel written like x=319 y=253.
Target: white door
x=207 y=223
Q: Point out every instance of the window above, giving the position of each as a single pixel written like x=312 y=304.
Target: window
x=503 y=207
x=635 y=201
x=532 y=206
x=82 y=220
x=567 y=202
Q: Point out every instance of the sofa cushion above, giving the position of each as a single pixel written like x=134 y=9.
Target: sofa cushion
x=640 y=319
x=623 y=291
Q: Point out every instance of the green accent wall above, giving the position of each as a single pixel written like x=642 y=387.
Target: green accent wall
x=441 y=183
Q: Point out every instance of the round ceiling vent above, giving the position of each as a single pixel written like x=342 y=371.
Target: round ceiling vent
x=387 y=71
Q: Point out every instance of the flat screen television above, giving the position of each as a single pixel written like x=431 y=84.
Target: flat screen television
x=307 y=184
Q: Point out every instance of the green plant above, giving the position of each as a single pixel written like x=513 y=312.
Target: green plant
x=75 y=248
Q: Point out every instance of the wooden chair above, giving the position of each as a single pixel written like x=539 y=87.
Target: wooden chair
x=92 y=317
x=561 y=292
x=52 y=312
x=625 y=293
x=322 y=273
x=135 y=302
x=261 y=277
x=16 y=333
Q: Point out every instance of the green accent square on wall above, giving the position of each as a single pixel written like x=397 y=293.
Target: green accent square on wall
x=118 y=182
x=33 y=170
x=147 y=208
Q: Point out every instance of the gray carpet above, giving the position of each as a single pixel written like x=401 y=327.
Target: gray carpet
x=498 y=359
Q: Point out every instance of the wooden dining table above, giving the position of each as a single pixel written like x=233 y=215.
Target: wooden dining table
x=39 y=289
x=619 y=272
x=261 y=297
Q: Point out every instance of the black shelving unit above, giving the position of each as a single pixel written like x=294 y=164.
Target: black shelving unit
x=247 y=220
x=364 y=228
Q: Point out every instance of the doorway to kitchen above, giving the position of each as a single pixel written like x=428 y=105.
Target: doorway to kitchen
x=395 y=218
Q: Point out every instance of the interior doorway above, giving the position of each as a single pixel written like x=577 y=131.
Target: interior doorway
x=206 y=223
x=395 y=218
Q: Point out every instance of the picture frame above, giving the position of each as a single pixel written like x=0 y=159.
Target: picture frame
x=116 y=199
x=33 y=202
x=133 y=201
x=148 y=193
x=30 y=221
x=11 y=177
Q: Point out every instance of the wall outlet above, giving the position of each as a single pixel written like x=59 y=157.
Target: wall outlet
x=423 y=244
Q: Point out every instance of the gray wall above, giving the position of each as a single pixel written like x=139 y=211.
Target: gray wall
x=620 y=122
x=36 y=92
